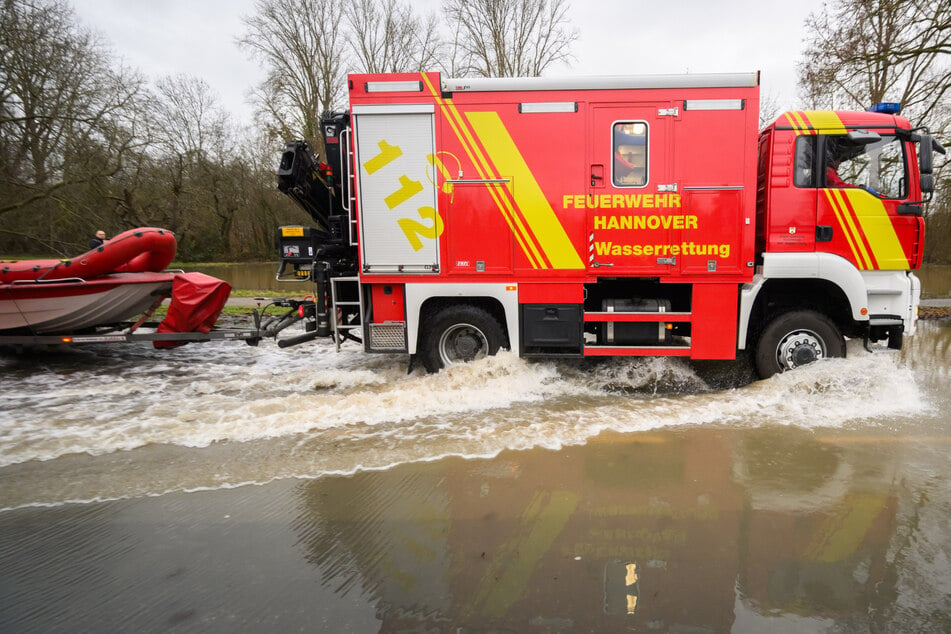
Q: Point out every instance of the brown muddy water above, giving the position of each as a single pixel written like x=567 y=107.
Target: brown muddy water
x=258 y=276
x=223 y=488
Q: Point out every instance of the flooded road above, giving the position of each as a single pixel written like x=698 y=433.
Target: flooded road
x=219 y=487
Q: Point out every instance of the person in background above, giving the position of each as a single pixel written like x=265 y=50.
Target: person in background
x=97 y=240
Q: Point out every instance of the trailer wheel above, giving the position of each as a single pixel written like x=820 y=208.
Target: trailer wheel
x=458 y=334
x=795 y=339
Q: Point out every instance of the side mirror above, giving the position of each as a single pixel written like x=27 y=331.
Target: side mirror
x=925 y=157
x=937 y=147
x=927 y=183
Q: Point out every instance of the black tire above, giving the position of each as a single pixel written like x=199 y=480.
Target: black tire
x=458 y=334
x=795 y=339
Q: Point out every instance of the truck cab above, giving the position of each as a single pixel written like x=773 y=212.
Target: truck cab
x=840 y=221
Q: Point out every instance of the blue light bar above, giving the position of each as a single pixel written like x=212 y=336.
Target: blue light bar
x=886 y=107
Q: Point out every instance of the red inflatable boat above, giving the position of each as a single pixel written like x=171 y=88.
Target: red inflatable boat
x=122 y=278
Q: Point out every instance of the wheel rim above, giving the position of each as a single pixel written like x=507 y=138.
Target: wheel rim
x=461 y=343
x=798 y=348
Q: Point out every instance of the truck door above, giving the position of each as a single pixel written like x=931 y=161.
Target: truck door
x=630 y=204
x=863 y=181
x=400 y=222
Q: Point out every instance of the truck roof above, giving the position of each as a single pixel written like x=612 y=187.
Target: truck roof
x=602 y=82
x=834 y=121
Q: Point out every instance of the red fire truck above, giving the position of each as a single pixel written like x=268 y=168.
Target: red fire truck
x=606 y=216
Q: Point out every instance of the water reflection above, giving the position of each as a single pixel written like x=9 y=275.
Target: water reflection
x=667 y=531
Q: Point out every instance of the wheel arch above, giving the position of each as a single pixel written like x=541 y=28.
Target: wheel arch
x=424 y=300
x=822 y=282
x=779 y=296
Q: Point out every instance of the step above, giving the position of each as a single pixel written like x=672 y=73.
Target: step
x=636 y=351
x=638 y=317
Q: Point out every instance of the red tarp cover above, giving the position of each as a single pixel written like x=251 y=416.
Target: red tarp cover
x=197 y=300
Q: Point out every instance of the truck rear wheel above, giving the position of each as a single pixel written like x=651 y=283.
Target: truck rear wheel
x=795 y=339
x=458 y=334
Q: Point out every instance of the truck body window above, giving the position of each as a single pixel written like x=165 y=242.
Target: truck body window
x=629 y=144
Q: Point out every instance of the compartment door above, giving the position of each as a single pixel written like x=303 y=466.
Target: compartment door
x=400 y=223
x=713 y=234
x=632 y=207
x=479 y=240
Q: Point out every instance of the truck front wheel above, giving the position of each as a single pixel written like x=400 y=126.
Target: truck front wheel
x=458 y=334
x=795 y=339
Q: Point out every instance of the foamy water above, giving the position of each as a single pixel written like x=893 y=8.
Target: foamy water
x=122 y=421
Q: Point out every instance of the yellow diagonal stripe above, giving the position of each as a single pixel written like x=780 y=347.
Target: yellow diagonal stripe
x=501 y=195
x=795 y=119
x=452 y=117
x=825 y=120
x=848 y=228
x=529 y=197
x=879 y=230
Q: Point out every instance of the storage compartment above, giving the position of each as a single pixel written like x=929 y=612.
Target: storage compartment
x=387 y=302
x=552 y=328
x=627 y=333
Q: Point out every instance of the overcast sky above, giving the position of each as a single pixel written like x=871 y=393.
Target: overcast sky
x=617 y=37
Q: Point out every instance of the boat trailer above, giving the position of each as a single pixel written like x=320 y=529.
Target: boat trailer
x=265 y=326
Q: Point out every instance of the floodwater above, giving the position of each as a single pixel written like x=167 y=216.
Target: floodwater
x=258 y=276
x=220 y=487
x=935 y=280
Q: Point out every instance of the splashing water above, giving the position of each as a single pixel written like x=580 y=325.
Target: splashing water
x=222 y=415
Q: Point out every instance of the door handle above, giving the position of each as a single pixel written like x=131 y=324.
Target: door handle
x=597 y=176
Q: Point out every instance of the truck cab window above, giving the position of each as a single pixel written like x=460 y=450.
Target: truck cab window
x=878 y=167
x=629 y=166
x=806 y=161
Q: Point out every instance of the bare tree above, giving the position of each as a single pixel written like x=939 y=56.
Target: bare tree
x=266 y=208
x=769 y=109
x=387 y=36
x=84 y=145
x=300 y=43
x=511 y=38
x=190 y=118
x=60 y=100
x=200 y=158
x=866 y=51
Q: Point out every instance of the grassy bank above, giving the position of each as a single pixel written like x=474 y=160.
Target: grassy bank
x=934 y=312
x=246 y=293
